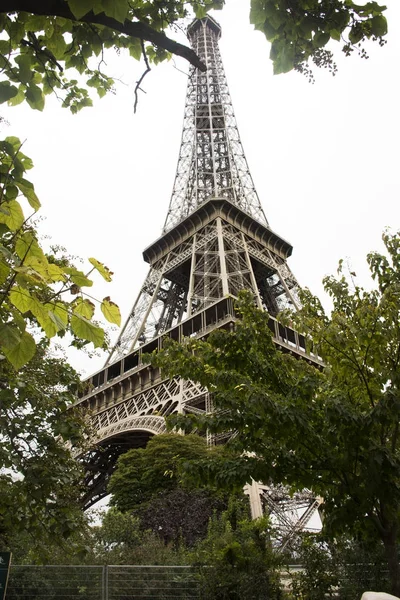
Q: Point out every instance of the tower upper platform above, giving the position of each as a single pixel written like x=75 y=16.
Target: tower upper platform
x=199 y=23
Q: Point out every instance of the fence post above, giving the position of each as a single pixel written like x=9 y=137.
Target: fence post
x=104 y=583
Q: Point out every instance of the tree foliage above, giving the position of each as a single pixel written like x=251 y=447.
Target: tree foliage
x=300 y=30
x=121 y=539
x=181 y=516
x=143 y=473
x=235 y=559
x=336 y=431
x=41 y=294
x=342 y=568
x=149 y=483
x=42 y=41
x=38 y=477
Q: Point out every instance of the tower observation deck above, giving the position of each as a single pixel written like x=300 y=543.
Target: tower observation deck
x=216 y=241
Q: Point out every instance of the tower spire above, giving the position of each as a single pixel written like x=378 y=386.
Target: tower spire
x=211 y=162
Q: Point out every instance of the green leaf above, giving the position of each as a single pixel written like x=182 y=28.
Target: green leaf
x=116 y=9
x=15 y=219
x=4 y=271
x=200 y=11
x=54 y=272
x=10 y=336
x=11 y=193
x=379 y=26
x=20 y=354
x=80 y=7
x=320 y=39
x=7 y=91
x=58 y=323
x=60 y=311
x=77 y=277
x=28 y=191
x=102 y=269
x=41 y=313
x=135 y=49
x=27 y=245
x=356 y=34
x=83 y=307
x=86 y=330
x=35 y=97
x=335 y=35
x=111 y=311
x=284 y=61
x=21 y=299
x=24 y=61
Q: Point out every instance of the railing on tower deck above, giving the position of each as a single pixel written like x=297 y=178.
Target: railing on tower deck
x=220 y=314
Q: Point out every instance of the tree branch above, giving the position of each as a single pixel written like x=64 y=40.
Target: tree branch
x=136 y=29
x=142 y=77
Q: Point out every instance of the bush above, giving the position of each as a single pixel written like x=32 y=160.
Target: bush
x=236 y=560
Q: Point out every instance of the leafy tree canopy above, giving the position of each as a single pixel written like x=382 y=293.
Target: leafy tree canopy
x=43 y=40
x=336 y=431
x=41 y=294
x=149 y=483
x=143 y=473
x=235 y=559
x=300 y=30
x=38 y=477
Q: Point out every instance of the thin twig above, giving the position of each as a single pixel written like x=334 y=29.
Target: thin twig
x=142 y=77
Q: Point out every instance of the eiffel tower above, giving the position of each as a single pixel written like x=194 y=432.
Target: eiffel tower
x=215 y=242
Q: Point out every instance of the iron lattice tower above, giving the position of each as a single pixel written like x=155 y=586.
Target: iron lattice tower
x=216 y=241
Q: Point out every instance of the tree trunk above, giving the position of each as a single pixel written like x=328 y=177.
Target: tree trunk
x=391 y=549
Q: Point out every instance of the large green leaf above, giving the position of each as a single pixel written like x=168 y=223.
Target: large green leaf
x=42 y=315
x=78 y=277
x=86 y=330
x=102 y=269
x=35 y=97
x=25 y=74
x=21 y=299
x=28 y=191
x=117 y=9
x=379 y=26
x=26 y=245
x=10 y=336
x=55 y=272
x=83 y=307
x=4 y=271
x=81 y=7
x=60 y=312
x=7 y=91
x=15 y=217
x=22 y=352
x=111 y=311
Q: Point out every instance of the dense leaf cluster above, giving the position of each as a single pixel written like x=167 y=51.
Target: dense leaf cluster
x=299 y=30
x=149 y=483
x=41 y=41
x=33 y=283
x=38 y=477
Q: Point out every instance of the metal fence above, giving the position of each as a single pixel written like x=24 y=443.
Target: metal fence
x=59 y=582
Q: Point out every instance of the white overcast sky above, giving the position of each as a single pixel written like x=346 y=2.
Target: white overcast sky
x=324 y=157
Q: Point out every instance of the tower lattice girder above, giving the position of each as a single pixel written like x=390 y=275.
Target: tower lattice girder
x=216 y=241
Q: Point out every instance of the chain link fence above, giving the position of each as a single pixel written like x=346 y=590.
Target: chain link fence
x=58 y=582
